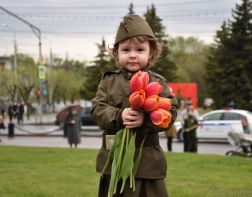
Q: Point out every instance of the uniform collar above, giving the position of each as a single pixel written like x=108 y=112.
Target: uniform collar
x=128 y=75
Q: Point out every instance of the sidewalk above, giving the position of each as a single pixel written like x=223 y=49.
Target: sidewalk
x=96 y=142
x=49 y=135
x=47 y=128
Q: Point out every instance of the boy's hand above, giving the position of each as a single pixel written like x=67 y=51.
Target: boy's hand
x=132 y=118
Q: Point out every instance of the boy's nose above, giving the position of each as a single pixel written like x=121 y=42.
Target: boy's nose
x=132 y=54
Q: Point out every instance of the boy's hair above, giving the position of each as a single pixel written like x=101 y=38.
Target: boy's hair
x=155 y=49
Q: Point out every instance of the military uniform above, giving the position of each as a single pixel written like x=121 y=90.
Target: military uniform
x=111 y=99
x=190 y=136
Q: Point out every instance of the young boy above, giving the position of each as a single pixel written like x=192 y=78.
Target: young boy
x=135 y=49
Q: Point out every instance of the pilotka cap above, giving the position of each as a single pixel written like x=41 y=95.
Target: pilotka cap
x=133 y=25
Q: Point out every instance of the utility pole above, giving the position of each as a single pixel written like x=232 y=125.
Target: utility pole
x=37 y=33
x=14 y=65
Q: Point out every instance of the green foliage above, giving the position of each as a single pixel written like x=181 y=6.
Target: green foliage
x=25 y=79
x=229 y=64
x=190 y=55
x=71 y=172
x=7 y=81
x=131 y=9
x=94 y=73
x=60 y=90
x=69 y=70
x=27 y=76
x=19 y=83
x=164 y=66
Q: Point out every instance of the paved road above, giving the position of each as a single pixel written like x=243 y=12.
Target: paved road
x=34 y=135
x=95 y=143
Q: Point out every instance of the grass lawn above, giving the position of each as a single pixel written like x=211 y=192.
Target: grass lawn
x=60 y=172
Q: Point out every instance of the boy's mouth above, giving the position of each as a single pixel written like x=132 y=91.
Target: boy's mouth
x=133 y=63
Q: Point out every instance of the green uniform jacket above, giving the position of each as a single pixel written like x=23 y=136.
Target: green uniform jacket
x=111 y=98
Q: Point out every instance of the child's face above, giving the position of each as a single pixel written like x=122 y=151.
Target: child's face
x=133 y=56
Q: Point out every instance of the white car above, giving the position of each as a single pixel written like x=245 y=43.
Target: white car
x=217 y=123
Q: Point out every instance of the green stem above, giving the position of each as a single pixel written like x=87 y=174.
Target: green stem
x=119 y=161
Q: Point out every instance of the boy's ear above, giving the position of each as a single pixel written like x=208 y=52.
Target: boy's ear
x=150 y=57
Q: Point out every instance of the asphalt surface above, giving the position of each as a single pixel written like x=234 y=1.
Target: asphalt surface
x=33 y=134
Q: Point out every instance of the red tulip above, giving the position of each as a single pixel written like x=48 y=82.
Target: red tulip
x=164 y=103
x=136 y=99
x=161 y=118
x=139 y=81
x=151 y=103
x=153 y=88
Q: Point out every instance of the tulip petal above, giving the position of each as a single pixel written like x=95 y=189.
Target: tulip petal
x=139 y=81
x=164 y=103
x=153 y=88
x=135 y=84
x=161 y=118
x=156 y=117
x=165 y=122
x=136 y=99
x=145 y=78
x=151 y=103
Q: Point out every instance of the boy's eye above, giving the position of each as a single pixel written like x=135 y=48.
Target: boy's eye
x=125 y=49
x=141 y=49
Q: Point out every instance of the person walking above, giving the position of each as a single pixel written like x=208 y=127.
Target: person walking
x=2 y=108
x=2 y=125
x=20 y=112
x=73 y=126
x=135 y=49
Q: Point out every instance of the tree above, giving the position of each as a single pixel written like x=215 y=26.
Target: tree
x=27 y=76
x=131 y=9
x=229 y=65
x=60 y=71
x=164 y=66
x=190 y=55
x=7 y=83
x=94 y=73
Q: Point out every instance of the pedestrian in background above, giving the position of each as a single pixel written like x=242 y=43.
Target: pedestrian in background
x=73 y=127
x=2 y=108
x=10 y=111
x=20 y=112
x=189 y=134
x=170 y=134
x=2 y=126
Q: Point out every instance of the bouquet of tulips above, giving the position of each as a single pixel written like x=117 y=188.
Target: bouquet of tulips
x=144 y=96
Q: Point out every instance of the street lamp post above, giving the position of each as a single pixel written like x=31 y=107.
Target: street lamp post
x=14 y=44
x=37 y=33
x=14 y=65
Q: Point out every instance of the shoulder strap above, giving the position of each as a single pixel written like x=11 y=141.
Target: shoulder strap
x=157 y=75
x=111 y=73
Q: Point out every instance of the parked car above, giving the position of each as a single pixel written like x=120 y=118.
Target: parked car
x=86 y=117
x=60 y=117
x=178 y=126
x=217 y=123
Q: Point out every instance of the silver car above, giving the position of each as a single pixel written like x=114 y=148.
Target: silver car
x=217 y=123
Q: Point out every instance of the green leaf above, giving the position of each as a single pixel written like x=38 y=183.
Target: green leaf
x=116 y=143
x=128 y=162
x=116 y=164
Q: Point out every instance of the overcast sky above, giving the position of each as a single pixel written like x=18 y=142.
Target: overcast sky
x=73 y=27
